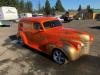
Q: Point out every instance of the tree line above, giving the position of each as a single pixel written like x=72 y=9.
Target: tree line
x=21 y=5
x=86 y=13
x=26 y=6
x=47 y=9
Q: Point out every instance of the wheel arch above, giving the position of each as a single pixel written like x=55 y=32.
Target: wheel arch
x=56 y=48
x=22 y=35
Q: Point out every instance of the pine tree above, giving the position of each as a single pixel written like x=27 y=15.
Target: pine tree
x=11 y=3
x=59 y=6
x=47 y=8
x=3 y=3
x=53 y=11
x=89 y=12
x=7 y=2
x=17 y=4
x=80 y=8
x=39 y=7
x=0 y=3
x=21 y=6
x=89 y=9
x=28 y=6
x=42 y=10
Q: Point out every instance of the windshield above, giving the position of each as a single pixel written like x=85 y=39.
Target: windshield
x=51 y=24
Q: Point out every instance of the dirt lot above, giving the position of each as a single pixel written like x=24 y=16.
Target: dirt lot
x=17 y=60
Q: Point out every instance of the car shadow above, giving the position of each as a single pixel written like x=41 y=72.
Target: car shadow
x=42 y=64
x=11 y=41
x=95 y=27
x=13 y=44
x=86 y=65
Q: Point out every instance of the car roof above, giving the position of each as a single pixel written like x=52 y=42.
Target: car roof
x=38 y=19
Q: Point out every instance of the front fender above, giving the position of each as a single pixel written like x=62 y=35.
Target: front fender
x=71 y=52
x=52 y=45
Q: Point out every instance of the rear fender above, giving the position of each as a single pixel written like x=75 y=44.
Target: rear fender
x=22 y=35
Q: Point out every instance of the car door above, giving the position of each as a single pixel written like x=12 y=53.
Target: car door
x=38 y=37
x=27 y=29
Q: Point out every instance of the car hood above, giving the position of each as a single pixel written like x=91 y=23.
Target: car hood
x=63 y=33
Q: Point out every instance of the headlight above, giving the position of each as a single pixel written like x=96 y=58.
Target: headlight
x=85 y=37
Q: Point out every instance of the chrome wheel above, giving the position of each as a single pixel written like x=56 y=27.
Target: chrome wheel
x=58 y=57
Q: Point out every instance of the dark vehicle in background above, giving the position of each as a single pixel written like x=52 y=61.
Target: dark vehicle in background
x=66 y=18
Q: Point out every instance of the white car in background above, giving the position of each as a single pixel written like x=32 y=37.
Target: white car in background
x=24 y=15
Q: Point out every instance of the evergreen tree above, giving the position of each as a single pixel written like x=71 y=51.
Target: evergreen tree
x=47 y=8
x=89 y=12
x=11 y=3
x=21 y=6
x=39 y=7
x=41 y=10
x=28 y=6
x=80 y=8
x=53 y=11
x=7 y=2
x=80 y=12
x=59 y=6
x=3 y=3
x=17 y=4
x=89 y=9
x=0 y=3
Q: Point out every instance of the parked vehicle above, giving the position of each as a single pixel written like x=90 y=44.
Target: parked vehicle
x=7 y=15
x=59 y=18
x=47 y=35
x=66 y=18
x=24 y=15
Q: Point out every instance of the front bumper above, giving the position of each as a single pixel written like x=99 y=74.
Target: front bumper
x=74 y=54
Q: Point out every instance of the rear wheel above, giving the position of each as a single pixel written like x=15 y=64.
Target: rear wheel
x=58 y=56
x=20 y=41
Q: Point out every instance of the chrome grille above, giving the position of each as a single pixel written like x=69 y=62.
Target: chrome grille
x=85 y=48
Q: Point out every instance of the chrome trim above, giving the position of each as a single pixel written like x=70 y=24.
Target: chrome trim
x=85 y=48
x=71 y=52
x=74 y=54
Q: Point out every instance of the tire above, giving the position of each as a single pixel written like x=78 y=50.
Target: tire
x=20 y=41
x=58 y=56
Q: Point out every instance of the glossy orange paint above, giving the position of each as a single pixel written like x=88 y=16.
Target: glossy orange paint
x=46 y=39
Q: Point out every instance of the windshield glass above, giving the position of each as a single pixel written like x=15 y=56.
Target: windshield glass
x=51 y=24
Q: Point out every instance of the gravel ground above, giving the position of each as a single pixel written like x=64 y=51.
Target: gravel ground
x=17 y=60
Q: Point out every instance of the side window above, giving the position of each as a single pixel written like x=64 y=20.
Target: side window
x=28 y=25
x=20 y=26
x=37 y=26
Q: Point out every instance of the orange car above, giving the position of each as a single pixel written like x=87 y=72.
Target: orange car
x=47 y=35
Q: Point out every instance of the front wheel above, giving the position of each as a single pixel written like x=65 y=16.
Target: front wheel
x=58 y=56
